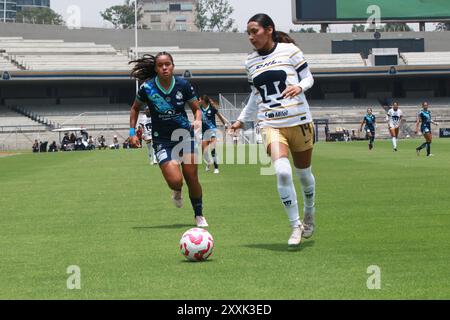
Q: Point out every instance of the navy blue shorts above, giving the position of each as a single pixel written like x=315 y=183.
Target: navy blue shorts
x=369 y=129
x=425 y=129
x=171 y=150
x=209 y=134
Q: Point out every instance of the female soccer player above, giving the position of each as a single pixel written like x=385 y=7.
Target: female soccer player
x=369 y=119
x=172 y=133
x=209 y=111
x=424 y=117
x=394 y=119
x=145 y=122
x=279 y=76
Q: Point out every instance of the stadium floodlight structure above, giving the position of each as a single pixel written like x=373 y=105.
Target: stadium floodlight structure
x=136 y=53
x=4 y=11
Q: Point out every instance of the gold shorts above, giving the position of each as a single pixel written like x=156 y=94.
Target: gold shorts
x=298 y=139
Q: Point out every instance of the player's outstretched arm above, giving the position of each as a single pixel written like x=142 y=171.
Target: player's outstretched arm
x=417 y=125
x=134 y=114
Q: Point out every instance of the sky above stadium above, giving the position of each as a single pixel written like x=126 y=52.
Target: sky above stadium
x=280 y=11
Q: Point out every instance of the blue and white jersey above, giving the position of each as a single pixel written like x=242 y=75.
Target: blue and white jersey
x=370 y=121
x=425 y=119
x=167 y=107
x=209 y=118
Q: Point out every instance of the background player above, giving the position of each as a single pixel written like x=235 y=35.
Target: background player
x=145 y=122
x=166 y=96
x=424 y=117
x=279 y=76
x=394 y=119
x=209 y=111
x=369 y=121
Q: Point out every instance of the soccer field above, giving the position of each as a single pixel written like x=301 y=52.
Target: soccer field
x=110 y=214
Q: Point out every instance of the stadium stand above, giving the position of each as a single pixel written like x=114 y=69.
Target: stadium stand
x=5 y=65
x=426 y=58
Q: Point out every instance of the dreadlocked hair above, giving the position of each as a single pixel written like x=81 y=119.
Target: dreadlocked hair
x=144 y=67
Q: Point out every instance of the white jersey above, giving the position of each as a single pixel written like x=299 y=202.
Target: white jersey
x=394 y=117
x=269 y=76
x=146 y=122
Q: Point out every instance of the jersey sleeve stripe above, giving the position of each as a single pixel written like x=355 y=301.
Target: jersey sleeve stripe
x=295 y=53
x=302 y=67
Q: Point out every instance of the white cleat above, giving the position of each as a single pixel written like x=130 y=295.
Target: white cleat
x=216 y=170
x=155 y=162
x=177 y=199
x=201 y=222
x=430 y=155
x=296 y=237
x=208 y=167
x=308 y=224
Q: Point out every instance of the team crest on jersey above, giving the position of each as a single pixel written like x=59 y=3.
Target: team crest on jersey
x=168 y=99
x=179 y=95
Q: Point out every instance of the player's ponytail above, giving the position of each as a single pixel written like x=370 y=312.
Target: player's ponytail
x=144 y=68
x=282 y=37
x=265 y=21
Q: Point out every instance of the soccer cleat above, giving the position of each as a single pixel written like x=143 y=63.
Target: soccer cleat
x=208 y=167
x=308 y=224
x=370 y=146
x=395 y=149
x=155 y=162
x=418 y=151
x=201 y=222
x=216 y=170
x=177 y=199
x=296 y=237
x=430 y=155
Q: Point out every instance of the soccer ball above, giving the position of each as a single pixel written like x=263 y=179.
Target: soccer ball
x=196 y=244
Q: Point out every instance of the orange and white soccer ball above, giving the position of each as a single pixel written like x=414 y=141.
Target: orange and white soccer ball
x=196 y=244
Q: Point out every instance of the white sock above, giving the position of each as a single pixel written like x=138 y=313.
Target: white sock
x=394 y=142
x=286 y=190
x=206 y=155
x=308 y=183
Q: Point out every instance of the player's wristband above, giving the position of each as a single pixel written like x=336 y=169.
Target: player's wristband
x=132 y=132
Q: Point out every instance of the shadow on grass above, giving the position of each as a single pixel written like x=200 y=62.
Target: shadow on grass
x=185 y=261
x=170 y=226
x=281 y=247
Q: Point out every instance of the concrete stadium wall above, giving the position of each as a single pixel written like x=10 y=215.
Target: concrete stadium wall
x=227 y=42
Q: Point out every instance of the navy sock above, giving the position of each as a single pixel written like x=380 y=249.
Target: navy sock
x=213 y=154
x=423 y=145
x=197 y=205
x=428 y=148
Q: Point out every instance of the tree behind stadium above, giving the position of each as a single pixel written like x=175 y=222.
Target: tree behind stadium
x=213 y=15
x=39 y=16
x=122 y=16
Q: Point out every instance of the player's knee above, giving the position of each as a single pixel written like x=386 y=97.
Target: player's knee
x=283 y=171
x=175 y=183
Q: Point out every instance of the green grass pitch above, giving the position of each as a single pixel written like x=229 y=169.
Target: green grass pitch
x=110 y=213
